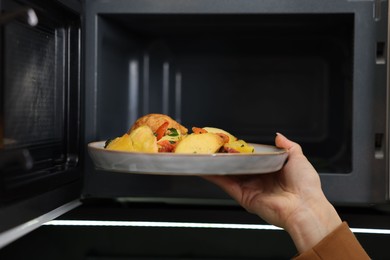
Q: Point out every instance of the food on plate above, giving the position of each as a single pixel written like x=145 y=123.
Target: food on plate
x=154 y=121
x=205 y=143
x=141 y=139
x=238 y=146
x=155 y=133
x=233 y=145
x=220 y=131
x=123 y=143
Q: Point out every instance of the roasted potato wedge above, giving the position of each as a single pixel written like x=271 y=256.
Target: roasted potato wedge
x=238 y=146
x=144 y=140
x=206 y=143
x=217 y=131
x=123 y=143
x=141 y=139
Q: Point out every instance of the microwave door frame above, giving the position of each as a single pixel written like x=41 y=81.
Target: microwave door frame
x=10 y=235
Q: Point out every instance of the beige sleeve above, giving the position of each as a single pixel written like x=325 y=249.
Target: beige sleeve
x=340 y=244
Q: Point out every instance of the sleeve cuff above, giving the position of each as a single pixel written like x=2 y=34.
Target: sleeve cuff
x=339 y=244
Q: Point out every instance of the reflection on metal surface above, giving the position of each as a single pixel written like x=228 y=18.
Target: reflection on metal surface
x=23 y=229
x=26 y=13
x=16 y=158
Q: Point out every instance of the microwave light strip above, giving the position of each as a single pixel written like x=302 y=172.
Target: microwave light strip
x=159 y=224
x=189 y=225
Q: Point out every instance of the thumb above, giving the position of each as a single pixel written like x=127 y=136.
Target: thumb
x=282 y=142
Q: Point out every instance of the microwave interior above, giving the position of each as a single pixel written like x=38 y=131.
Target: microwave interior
x=252 y=75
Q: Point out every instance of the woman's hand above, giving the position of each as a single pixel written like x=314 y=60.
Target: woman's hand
x=291 y=198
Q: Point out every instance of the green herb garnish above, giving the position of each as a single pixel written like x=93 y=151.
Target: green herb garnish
x=173 y=132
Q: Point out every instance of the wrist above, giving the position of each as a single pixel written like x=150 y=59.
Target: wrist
x=308 y=226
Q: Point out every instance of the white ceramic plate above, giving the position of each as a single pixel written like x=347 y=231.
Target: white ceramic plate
x=265 y=159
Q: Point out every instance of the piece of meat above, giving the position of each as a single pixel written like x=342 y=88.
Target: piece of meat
x=154 y=121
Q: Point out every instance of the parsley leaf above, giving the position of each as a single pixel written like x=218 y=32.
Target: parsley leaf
x=173 y=132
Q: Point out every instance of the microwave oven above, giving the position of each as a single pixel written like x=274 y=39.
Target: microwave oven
x=316 y=71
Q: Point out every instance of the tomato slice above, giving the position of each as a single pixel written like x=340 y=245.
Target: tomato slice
x=166 y=146
x=224 y=137
x=230 y=150
x=198 y=130
x=160 y=132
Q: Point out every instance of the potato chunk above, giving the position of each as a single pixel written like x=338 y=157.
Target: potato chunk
x=144 y=140
x=217 y=131
x=238 y=146
x=123 y=143
x=206 y=143
x=140 y=139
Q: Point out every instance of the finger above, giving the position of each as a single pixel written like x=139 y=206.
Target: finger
x=228 y=183
x=295 y=152
x=282 y=142
x=222 y=181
